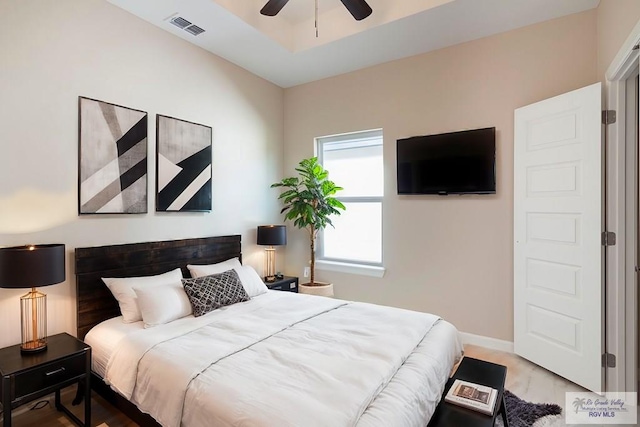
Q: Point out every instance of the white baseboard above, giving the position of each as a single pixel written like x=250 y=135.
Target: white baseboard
x=488 y=342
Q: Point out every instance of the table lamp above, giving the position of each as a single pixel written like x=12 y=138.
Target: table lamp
x=32 y=266
x=271 y=235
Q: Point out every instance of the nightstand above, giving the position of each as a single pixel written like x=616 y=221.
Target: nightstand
x=287 y=283
x=26 y=377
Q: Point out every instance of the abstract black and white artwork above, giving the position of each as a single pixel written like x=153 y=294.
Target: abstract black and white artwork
x=112 y=158
x=183 y=166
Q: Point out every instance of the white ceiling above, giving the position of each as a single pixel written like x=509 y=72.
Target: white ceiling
x=284 y=50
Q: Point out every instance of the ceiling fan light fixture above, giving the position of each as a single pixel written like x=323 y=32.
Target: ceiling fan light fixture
x=359 y=9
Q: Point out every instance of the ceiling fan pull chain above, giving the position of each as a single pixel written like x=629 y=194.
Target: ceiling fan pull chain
x=316 y=18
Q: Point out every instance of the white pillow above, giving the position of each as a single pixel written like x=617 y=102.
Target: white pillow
x=122 y=290
x=251 y=281
x=208 y=270
x=162 y=304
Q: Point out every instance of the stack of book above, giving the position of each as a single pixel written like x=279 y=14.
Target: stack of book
x=473 y=396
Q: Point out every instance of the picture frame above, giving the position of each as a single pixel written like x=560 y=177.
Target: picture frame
x=183 y=165
x=112 y=158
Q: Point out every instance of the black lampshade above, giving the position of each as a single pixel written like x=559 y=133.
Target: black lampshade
x=272 y=235
x=32 y=266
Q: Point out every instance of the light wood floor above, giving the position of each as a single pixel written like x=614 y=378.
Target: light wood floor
x=526 y=380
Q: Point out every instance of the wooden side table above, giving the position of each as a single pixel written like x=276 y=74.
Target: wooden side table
x=26 y=377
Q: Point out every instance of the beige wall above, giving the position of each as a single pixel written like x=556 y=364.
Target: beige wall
x=55 y=51
x=446 y=255
x=616 y=19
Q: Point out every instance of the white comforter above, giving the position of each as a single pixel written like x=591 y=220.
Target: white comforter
x=284 y=359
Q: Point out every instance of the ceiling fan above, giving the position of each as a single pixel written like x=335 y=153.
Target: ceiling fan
x=358 y=8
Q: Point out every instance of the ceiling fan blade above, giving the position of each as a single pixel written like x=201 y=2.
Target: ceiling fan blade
x=273 y=7
x=358 y=8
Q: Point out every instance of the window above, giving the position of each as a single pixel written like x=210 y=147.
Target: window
x=354 y=162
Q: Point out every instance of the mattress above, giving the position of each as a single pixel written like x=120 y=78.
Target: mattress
x=283 y=359
x=104 y=338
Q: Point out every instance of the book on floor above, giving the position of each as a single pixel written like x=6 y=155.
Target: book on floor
x=473 y=396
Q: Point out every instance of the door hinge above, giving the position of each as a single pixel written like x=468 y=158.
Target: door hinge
x=608 y=238
x=608 y=117
x=608 y=360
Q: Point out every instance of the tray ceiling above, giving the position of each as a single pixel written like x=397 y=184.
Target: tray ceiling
x=284 y=50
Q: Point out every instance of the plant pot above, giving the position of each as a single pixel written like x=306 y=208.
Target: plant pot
x=319 y=288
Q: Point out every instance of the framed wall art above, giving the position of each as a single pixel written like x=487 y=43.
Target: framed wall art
x=112 y=158
x=183 y=166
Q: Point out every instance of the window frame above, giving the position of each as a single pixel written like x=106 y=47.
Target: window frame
x=362 y=138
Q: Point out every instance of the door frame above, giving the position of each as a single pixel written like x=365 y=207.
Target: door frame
x=621 y=318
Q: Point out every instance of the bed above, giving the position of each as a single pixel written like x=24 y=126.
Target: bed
x=278 y=359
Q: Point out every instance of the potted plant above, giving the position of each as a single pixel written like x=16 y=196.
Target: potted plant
x=309 y=202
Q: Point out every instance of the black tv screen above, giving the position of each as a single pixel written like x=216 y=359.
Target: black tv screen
x=448 y=163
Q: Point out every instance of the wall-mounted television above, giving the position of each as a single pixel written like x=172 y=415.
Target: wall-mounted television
x=448 y=163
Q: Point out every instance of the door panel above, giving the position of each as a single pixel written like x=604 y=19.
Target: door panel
x=557 y=235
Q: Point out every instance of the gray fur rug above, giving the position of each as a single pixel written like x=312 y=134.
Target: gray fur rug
x=524 y=414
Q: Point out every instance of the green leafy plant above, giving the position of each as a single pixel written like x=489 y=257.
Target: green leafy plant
x=308 y=202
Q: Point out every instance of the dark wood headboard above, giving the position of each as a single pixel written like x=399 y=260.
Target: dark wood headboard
x=95 y=303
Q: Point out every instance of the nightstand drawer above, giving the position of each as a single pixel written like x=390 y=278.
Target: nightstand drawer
x=48 y=375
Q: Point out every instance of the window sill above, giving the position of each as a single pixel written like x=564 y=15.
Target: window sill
x=344 y=267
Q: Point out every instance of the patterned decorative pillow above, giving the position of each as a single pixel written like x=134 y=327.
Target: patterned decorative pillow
x=217 y=290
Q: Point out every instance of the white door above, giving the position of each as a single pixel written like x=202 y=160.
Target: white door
x=558 y=299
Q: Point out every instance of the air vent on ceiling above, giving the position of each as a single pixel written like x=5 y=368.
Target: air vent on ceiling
x=194 y=29
x=180 y=22
x=183 y=24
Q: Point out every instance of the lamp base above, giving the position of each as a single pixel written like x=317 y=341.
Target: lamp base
x=270 y=264
x=35 y=346
x=33 y=311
